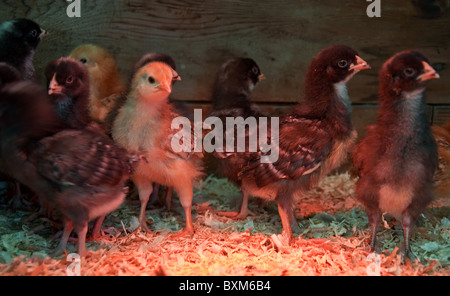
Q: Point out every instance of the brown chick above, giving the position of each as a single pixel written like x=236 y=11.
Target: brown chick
x=144 y=123
x=442 y=175
x=106 y=86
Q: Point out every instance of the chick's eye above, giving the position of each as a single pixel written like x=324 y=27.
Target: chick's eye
x=83 y=60
x=409 y=72
x=69 y=79
x=33 y=33
x=255 y=70
x=151 y=80
x=342 y=63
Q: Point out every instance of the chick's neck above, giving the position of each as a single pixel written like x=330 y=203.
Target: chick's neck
x=401 y=109
x=151 y=113
x=328 y=103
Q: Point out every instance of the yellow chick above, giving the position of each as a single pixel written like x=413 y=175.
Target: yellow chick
x=143 y=124
x=106 y=86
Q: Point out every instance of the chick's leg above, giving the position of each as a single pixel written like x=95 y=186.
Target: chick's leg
x=244 y=211
x=407 y=221
x=97 y=228
x=374 y=216
x=285 y=215
x=186 y=194
x=294 y=224
x=68 y=227
x=81 y=232
x=145 y=188
x=154 y=197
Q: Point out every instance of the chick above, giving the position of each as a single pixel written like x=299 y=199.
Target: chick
x=397 y=158
x=313 y=139
x=233 y=85
x=106 y=86
x=8 y=74
x=442 y=175
x=78 y=172
x=68 y=86
x=143 y=61
x=144 y=123
x=19 y=39
x=178 y=107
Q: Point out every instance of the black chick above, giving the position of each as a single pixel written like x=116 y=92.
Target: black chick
x=68 y=86
x=396 y=160
x=313 y=139
x=8 y=74
x=431 y=8
x=154 y=57
x=19 y=39
x=233 y=85
x=80 y=173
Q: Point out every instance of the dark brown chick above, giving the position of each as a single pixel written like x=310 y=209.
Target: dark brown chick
x=308 y=143
x=78 y=172
x=397 y=158
x=68 y=86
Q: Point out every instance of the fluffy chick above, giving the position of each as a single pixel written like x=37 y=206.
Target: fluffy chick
x=442 y=175
x=80 y=173
x=397 y=158
x=143 y=61
x=68 y=86
x=313 y=139
x=106 y=86
x=234 y=82
x=144 y=123
x=8 y=74
x=178 y=107
x=19 y=39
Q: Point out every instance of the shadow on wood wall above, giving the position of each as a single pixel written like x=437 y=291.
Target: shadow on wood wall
x=282 y=37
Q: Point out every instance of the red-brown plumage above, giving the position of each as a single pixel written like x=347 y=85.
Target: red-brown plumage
x=313 y=139
x=397 y=158
x=68 y=86
x=79 y=172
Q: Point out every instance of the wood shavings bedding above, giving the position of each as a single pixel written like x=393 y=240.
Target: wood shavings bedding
x=332 y=242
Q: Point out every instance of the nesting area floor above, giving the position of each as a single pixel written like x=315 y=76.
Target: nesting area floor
x=333 y=238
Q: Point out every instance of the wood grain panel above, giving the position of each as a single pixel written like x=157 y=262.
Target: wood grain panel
x=281 y=36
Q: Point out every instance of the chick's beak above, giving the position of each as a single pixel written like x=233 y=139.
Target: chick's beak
x=360 y=65
x=175 y=76
x=165 y=86
x=261 y=77
x=43 y=34
x=54 y=87
x=429 y=73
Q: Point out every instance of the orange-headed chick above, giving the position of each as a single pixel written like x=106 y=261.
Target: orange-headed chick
x=106 y=86
x=442 y=174
x=144 y=123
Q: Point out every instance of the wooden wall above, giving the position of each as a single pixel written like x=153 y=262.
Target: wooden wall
x=282 y=37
